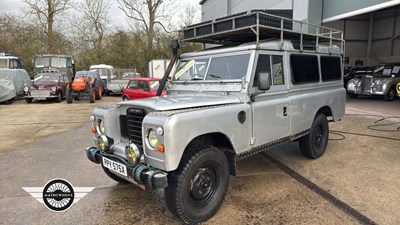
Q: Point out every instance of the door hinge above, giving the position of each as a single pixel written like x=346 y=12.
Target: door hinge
x=252 y=141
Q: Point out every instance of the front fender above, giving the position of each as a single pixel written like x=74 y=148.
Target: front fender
x=181 y=128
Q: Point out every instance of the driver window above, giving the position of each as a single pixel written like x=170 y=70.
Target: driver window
x=132 y=85
x=272 y=65
x=263 y=66
x=143 y=86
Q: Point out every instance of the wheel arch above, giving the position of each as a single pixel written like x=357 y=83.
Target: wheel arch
x=218 y=140
x=325 y=110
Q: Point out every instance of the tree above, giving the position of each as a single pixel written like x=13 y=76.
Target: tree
x=148 y=14
x=90 y=28
x=46 y=11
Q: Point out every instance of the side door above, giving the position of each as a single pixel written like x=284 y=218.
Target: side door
x=270 y=108
x=143 y=89
x=131 y=89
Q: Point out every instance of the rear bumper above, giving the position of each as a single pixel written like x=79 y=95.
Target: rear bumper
x=142 y=175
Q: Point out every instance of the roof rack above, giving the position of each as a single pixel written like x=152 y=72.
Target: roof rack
x=257 y=25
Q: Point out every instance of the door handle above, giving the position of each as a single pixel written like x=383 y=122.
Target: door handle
x=284 y=111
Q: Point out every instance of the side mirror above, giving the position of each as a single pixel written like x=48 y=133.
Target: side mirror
x=263 y=81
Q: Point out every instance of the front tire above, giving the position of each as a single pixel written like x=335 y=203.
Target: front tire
x=70 y=99
x=198 y=187
x=28 y=100
x=314 y=144
x=391 y=95
x=59 y=98
x=352 y=95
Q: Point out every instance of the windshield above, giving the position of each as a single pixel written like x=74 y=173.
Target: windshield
x=101 y=71
x=41 y=78
x=215 y=68
x=42 y=62
x=58 y=62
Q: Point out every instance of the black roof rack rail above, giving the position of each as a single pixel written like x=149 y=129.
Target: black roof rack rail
x=257 y=25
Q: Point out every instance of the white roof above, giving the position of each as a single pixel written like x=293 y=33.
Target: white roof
x=101 y=66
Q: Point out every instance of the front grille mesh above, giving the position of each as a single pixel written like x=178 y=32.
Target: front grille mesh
x=133 y=125
x=366 y=83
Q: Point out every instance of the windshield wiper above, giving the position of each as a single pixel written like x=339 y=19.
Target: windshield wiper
x=214 y=76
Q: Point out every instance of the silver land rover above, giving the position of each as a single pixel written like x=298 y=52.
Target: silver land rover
x=222 y=105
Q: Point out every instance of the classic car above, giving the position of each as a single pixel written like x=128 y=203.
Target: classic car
x=141 y=88
x=47 y=85
x=356 y=72
x=381 y=83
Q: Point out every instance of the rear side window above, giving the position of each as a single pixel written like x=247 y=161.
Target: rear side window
x=304 y=69
x=330 y=68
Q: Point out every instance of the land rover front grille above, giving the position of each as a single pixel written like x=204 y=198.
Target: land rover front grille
x=131 y=125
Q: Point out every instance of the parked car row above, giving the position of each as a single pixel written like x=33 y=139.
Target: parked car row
x=380 y=80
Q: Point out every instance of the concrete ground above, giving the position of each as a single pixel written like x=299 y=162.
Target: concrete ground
x=45 y=140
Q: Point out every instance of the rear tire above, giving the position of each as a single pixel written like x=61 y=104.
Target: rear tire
x=98 y=93
x=314 y=144
x=28 y=100
x=198 y=187
x=125 y=98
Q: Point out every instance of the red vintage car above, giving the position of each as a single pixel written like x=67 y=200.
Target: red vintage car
x=141 y=87
x=47 y=85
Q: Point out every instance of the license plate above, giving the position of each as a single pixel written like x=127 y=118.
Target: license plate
x=40 y=98
x=115 y=166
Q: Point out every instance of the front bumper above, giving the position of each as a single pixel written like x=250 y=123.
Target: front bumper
x=144 y=176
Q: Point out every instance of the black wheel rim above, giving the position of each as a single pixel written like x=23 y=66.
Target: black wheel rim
x=202 y=186
x=318 y=133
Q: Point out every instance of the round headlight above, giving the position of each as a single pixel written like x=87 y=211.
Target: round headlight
x=54 y=89
x=92 y=118
x=104 y=143
x=152 y=138
x=101 y=126
x=26 y=89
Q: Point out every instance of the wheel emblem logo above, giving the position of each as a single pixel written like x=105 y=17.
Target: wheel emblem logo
x=58 y=195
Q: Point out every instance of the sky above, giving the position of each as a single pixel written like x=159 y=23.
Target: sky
x=116 y=15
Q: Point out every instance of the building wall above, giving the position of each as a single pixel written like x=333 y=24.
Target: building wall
x=339 y=9
x=383 y=29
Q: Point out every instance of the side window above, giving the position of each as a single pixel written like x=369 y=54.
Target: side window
x=109 y=72
x=263 y=66
x=143 y=85
x=330 y=68
x=277 y=70
x=132 y=85
x=61 y=79
x=304 y=69
x=272 y=65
